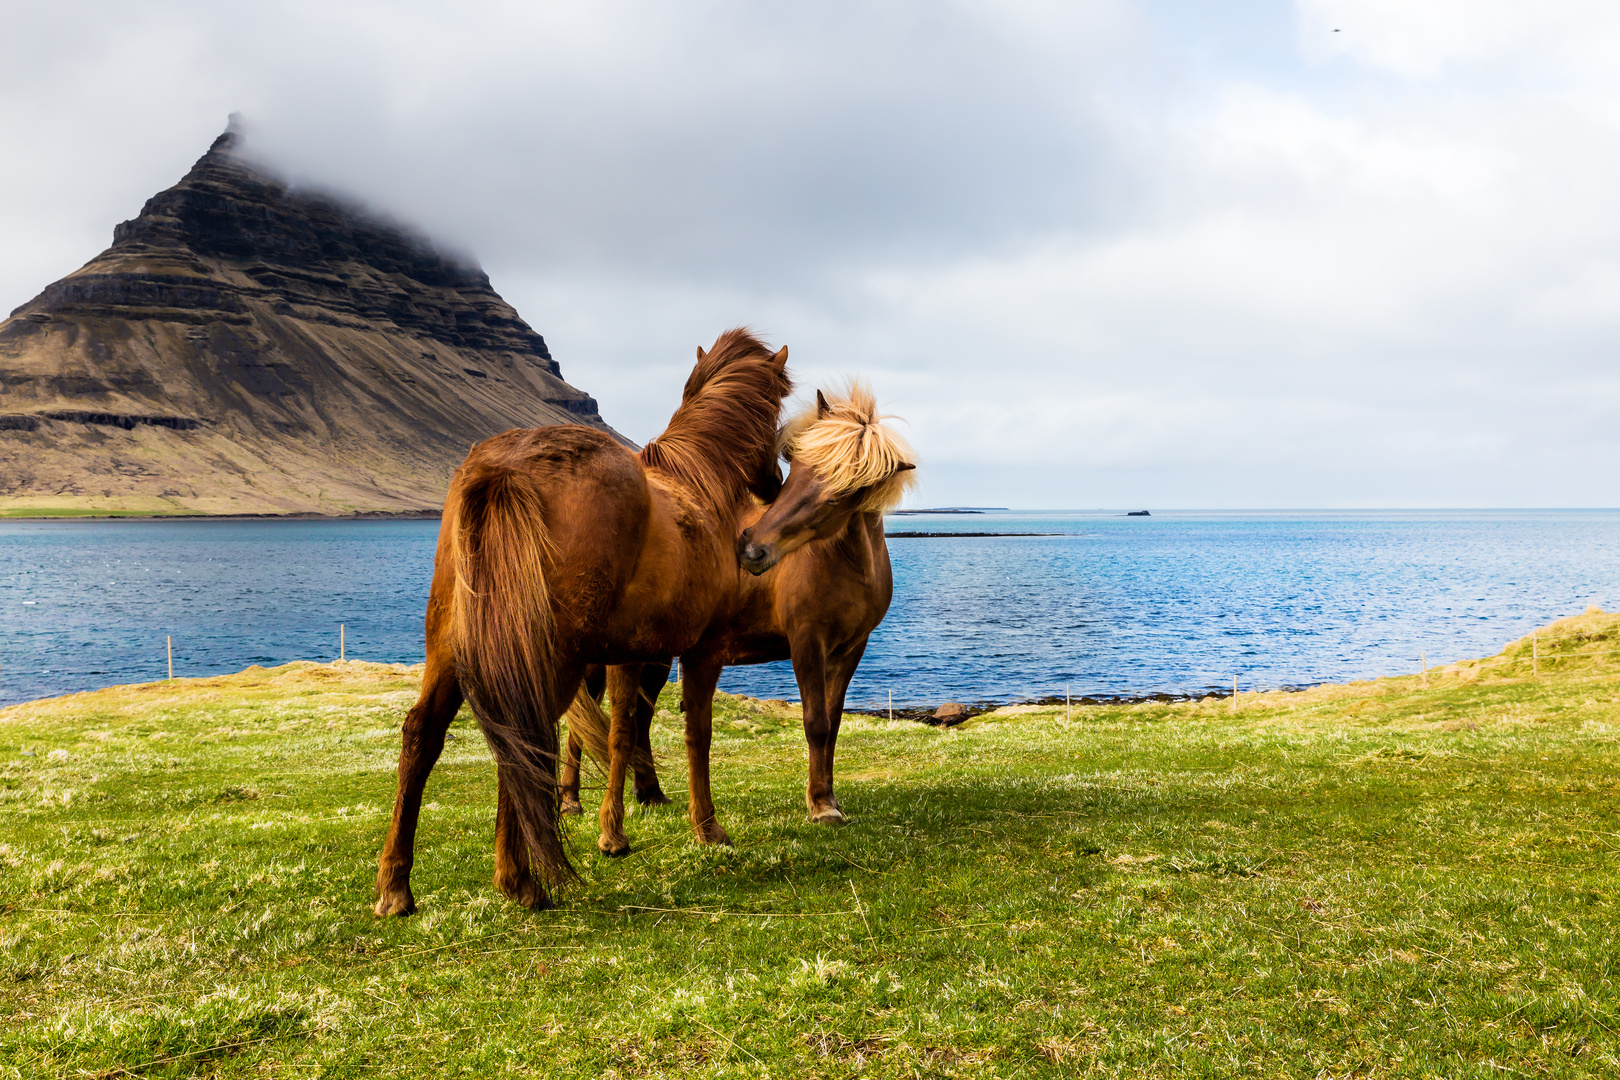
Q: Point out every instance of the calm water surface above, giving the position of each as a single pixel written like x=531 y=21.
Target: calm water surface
x=1178 y=602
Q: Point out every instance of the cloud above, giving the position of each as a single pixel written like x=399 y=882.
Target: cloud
x=1096 y=253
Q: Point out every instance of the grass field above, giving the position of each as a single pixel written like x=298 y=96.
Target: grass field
x=80 y=506
x=1382 y=879
x=52 y=513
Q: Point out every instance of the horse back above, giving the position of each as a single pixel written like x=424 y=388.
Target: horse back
x=594 y=501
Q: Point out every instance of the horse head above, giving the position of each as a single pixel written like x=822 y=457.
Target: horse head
x=843 y=461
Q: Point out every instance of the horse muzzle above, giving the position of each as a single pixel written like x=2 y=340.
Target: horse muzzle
x=755 y=558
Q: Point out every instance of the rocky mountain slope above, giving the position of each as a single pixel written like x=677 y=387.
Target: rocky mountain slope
x=246 y=348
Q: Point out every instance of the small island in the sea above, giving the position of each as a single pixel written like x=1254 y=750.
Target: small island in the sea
x=1137 y=513
x=949 y=510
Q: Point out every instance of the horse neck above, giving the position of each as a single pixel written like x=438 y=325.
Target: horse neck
x=859 y=541
x=715 y=428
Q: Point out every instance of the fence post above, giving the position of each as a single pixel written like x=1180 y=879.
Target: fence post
x=169 y=642
x=1068 y=710
x=1234 y=695
x=891 y=704
x=342 y=650
x=1423 y=656
x=1535 y=655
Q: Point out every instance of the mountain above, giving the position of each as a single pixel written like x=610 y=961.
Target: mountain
x=244 y=348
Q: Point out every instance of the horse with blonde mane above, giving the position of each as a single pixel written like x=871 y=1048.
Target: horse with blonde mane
x=818 y=584
x=558 y=549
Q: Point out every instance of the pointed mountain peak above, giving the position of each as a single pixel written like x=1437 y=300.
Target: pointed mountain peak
x=261 y=349
x=230 y=138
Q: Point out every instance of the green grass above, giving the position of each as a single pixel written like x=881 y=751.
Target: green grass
x=86 y=506
x=1382 y=879
x=46 y=513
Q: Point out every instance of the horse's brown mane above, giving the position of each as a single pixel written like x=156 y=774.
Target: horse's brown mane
x=725 y=427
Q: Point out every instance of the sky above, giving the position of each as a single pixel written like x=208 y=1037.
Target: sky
x=1094 y=253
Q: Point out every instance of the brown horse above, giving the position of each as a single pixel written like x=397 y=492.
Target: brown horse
x=819 y=585
x=559 y=548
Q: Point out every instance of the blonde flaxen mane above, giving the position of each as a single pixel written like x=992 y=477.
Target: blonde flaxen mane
x=851 y=449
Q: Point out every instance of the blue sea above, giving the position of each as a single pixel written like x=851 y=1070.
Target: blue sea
x=1179 y=602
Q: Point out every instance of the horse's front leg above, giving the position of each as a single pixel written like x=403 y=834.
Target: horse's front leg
x=699 y=677
x=624 y=692
x=421 y=742
x=823 y=679
x=654 y=676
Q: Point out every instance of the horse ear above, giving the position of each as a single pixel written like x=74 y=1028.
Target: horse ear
x=822 y=408
x=904 y=466
x=701 y=354
x=780 y=359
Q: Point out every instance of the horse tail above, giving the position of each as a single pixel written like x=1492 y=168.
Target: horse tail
x=587 y=720
x=504 y=639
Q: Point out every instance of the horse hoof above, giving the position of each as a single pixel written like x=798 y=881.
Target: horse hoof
x=525 y=891
x=655 y=797
x=613 y=849
x=830 y=816
x=398 y=903
x=571 y=806
x=714 y=834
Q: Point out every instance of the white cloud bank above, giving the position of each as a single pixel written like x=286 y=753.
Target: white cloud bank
x=1353 y=254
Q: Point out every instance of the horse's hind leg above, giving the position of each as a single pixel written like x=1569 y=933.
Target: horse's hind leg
x=653 y=679
x=569 y=782
x=421 y=742
x=595 y=682
x=514 y=878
